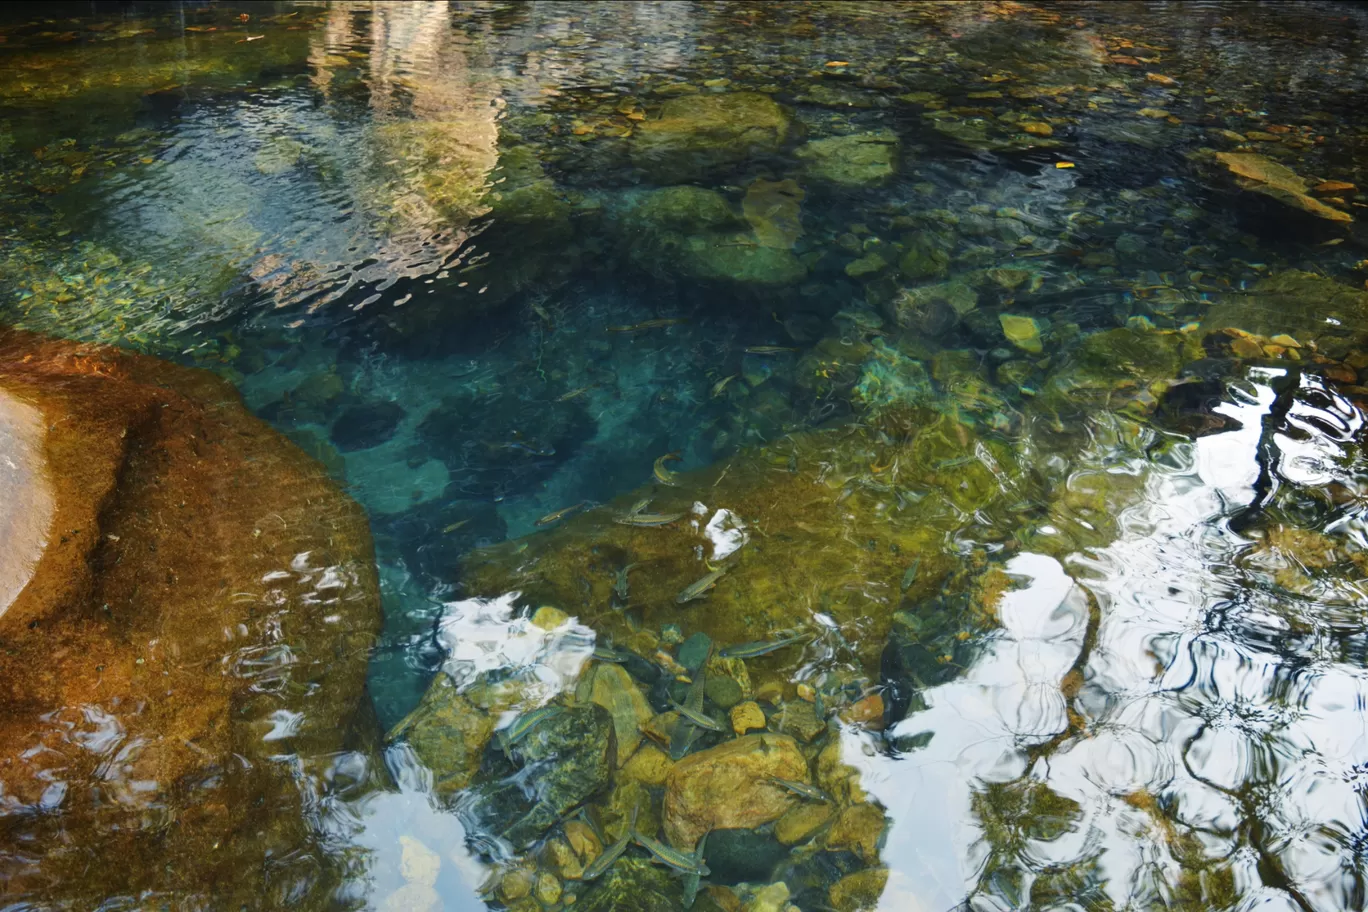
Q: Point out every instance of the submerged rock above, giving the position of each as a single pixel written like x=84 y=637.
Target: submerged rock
x=564 y=760
x=364 y=426
x=1263 y=175
x=447 y=732
x=1312 y=308
x=201 y=607
x=611 y=687
x=728 y=787
x=635 y=884
x=697 y=135
x=691 y=233
x=859 y=160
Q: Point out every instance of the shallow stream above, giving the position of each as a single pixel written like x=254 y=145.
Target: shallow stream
x=994 y=371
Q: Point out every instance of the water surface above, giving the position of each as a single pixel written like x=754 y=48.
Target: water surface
x=1010 y=354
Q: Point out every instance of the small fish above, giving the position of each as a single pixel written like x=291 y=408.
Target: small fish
x=691 y=879
x=524 y=447
x=910 y=576
x=802 y=789
x=759 y=648
x=720 y=385
x=525 y=723
x=613 y=852
x=700 y=719
x=575 y=393
x=671 y=857
x=639 y=506
x=683 y=736
x=647 y=324
x=621 y=590
x=768 y=349
x=607 y=654
x=699 y=588
x=605 y=860
x=649 y=519
x=447 y=530
x=560 y=514
x=662 y=474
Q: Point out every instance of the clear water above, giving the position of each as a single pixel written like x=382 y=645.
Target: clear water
x=1065 y=373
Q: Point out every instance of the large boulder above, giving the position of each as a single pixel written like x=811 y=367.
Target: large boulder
x=728 y=787
x=186 y=607
x=766 y=501
x=857 y=160
x=697 y=135
x=692 y=233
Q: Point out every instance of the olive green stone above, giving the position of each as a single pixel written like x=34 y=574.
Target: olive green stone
x=724 y=692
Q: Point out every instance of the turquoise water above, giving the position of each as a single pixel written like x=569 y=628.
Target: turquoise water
x=1008 y=354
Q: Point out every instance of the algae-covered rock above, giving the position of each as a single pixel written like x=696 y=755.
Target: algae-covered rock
x=688 y=232
x=799 y=823
x=892 y=385
x=858 y=892
x=634 y=884
x=774 y=211
x=858 y=160
x=1023 y=332
x=685 y=209
x=611 y=687
x=953 y=469
x=933 y=309
x=191 y=586
x=1263 y=175
x=564 y=760
x=1312 y=308
x=448 y=733
x=700 y=134
x=728 y=787
x=1114 y=369
x=927 y=257
x=859 y=829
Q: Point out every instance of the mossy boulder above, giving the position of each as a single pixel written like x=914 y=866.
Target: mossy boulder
x=953 y=469
x=563 y=761
x=858 y=160
x=699 y=135
x=727 y=787
x=634 y=884
x=933 y=309
x=190 y=591
x=691 y=233
x=1118 y=368
x=1310 y=307
x=448 y=733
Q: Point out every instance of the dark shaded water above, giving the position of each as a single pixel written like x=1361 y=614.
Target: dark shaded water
x=1017 y=349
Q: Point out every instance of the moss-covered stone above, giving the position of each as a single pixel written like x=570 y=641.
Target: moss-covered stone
x=697 y=135
x=448 y=733
x=728 y=787
x=932 y=309
x=1115 y=369
x=1312 y=308
x=858 y=160
x=858 y=892
x=927 y=257
x=635 y=884
x=688 y=232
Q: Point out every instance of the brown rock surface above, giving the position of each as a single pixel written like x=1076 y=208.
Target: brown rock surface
x=191 y=641
x=727 y=787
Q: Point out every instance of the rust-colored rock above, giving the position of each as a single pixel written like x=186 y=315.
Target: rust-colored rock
x=192 y=638
x=727 y=787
